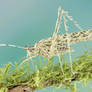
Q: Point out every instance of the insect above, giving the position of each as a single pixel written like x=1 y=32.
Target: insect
x=57 y=44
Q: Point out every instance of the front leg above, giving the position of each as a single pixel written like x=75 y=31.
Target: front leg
x=29 y=55
x=28 y=59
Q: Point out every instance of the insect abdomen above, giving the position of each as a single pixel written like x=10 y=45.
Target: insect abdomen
x=80 y=36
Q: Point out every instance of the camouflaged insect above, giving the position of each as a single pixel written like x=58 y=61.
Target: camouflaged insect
x=42 y=47
x=57 y=44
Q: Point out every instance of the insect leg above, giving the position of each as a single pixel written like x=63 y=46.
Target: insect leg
x=28 y=59
x=54 y=37
x=60 y=64
x=58 y=22
x=68 y=41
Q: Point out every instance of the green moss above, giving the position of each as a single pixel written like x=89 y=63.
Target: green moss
x=48 y=75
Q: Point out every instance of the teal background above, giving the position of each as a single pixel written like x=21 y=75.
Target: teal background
x=24 y=22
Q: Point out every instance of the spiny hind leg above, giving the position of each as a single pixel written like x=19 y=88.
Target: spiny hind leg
x=54 y=37
x=57 y=27
x=58 y=22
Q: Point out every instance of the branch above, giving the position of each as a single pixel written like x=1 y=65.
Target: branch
x=47 y=83
x=20 y=88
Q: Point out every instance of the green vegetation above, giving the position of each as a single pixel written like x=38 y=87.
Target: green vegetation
x=47 y=75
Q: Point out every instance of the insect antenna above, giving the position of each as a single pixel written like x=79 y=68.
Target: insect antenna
x=10 y=45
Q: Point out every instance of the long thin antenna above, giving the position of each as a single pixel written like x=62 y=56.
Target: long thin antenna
x=10 y=45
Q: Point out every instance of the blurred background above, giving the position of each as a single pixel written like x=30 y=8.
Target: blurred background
x=25 y=22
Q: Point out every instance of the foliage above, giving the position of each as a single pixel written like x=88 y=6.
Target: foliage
x=49 y=74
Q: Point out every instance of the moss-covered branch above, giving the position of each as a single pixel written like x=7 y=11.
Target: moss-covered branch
x=15 y=78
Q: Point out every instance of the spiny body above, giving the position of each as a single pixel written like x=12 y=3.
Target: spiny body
x=42 y=47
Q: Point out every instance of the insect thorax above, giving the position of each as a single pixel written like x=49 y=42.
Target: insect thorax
x=43 y=47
